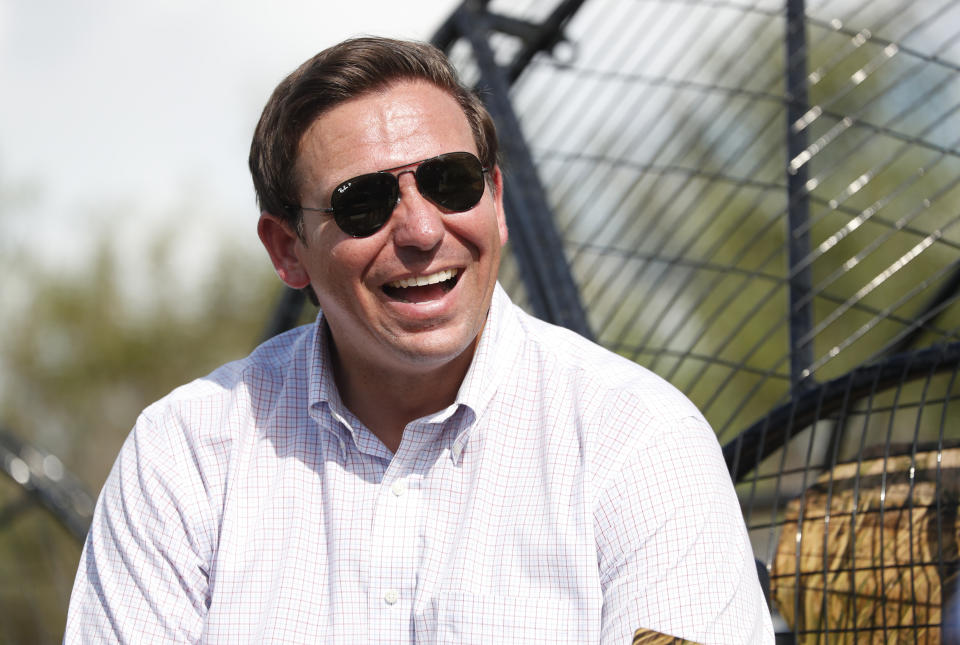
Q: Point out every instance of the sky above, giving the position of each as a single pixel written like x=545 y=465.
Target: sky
x=128 y=119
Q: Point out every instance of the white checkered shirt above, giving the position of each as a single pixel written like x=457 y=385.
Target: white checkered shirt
x=567 y=496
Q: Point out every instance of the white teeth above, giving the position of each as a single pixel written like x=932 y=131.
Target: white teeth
x=423 y=280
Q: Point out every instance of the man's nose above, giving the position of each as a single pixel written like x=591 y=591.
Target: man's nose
x=417 y=222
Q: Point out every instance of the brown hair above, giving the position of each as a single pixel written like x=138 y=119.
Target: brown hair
x=345 y=71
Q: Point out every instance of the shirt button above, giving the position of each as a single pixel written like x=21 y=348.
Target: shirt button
x=398 y=488
x=390 y=597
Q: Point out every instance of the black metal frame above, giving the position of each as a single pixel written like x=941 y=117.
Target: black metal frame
x=61 y=493
x=798 y=198
x=538 y=249
x=757 y=442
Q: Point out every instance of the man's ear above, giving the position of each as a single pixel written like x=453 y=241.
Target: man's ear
x=281 y=242
x=497 y=177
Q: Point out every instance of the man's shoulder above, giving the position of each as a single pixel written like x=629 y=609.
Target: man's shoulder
x=260 y=375
x=604 y=406
x=589 y=365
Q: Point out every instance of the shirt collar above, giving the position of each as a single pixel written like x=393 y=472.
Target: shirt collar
x=498 y=343
x=323 y=388
x=498 y=346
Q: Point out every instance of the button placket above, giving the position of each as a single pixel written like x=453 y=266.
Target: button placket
x=393 y=554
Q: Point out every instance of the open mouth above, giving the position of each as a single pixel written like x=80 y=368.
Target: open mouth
x=423 y=288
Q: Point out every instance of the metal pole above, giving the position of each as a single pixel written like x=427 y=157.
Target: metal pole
x=551 y=289
x=798 y=199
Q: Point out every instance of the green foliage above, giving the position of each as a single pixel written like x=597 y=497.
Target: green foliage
x=90 y=358
x=82 y=357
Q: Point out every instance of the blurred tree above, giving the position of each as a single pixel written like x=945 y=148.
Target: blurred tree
x=81 y=359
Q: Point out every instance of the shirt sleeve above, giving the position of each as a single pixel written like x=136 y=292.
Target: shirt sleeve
x=673 y=550
x=143 y=570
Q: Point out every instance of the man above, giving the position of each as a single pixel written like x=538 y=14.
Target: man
x=426 y=463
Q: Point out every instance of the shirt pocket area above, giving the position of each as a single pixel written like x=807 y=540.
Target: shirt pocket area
x=475 y=618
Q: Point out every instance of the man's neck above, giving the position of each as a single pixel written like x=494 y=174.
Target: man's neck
x=386 y=401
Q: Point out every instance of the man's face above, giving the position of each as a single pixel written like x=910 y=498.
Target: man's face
x=376 y=322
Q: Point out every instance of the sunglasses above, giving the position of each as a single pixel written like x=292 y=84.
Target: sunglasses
x=362 y=206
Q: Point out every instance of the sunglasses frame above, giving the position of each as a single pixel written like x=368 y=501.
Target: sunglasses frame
x=414 y=168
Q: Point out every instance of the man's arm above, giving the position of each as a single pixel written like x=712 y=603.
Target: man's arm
x=143 y=572
x=673 y=551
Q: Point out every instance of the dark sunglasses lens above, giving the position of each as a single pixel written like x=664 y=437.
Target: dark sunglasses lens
x=362 y=205
x=453 y=181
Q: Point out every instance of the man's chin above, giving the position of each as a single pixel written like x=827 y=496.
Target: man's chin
x=433 y=347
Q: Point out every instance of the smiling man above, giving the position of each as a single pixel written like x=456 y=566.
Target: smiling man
x=405 y=303
x=426 y=463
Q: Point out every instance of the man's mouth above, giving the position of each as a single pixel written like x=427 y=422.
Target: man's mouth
x=423 y=288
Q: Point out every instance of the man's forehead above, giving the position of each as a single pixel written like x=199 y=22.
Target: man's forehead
x=402 y=99
x=404 y=122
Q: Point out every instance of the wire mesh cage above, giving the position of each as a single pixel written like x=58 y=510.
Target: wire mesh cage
x=850 y=494
x=757 y=200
